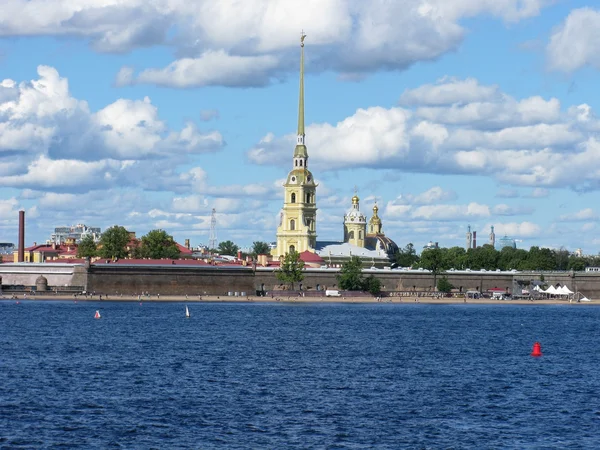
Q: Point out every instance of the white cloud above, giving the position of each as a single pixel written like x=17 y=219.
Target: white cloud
x=504 y=111
x=348 y=36
x=582 y=215
x=589 y=226
x=9 y=207
x=211 y=68
x=433 y=195
x=507 y=210
x=532 y=143
x=539 y=193
x=209 y=114
x=448 y=91
x=516 y=229
x=369 y=137
x=190 y=204
x=441 y=212
x=576 y=42
x=450 y=212
x=507 y=193
x=44 y=130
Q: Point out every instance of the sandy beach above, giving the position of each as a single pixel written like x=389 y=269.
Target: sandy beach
x=295 y=299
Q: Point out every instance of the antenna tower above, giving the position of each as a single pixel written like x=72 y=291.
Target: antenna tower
x=212 y=243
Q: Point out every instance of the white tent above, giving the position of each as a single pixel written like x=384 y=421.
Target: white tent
x=551 y=290
x=565 y=290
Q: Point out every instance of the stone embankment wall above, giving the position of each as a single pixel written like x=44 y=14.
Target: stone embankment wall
x=177 y=280
x=57 y=274
x=390 y=280
x=192 y=280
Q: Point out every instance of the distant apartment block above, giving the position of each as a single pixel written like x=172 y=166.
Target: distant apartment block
x=74 y=234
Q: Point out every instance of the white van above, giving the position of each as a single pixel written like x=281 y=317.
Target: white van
x=332 y=293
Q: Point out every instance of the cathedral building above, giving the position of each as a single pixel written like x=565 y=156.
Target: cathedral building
x=297 y=230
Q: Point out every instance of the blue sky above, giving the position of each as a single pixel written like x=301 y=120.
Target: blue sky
x=448 y=113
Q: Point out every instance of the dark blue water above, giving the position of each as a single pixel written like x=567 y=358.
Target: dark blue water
x=307 y=376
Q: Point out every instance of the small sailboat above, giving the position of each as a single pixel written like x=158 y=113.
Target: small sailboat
x=97 y=315
x=187 y=312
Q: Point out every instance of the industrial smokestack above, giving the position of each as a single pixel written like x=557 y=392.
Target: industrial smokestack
x=474 y=239
x=21 y=256
x=187 y=244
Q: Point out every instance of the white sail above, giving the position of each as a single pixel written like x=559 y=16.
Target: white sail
x=187 y=311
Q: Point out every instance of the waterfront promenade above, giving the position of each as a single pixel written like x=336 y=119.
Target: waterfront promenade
x=294 y=299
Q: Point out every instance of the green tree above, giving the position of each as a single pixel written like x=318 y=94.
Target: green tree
x=484 y=257
x=433 y=260
x=407 y=256
x=576 y=263
x=443 y=285
x=87 y=247
x=290 y=269
x=372 y=285
x=113 y=243
x=540 y=259
x=455 y=257
x=260 y=248
x=227 y=248
x=157 y=244
x=561 y=257
x=350 y=276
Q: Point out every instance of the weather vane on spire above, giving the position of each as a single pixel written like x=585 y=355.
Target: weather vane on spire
x=302 y=37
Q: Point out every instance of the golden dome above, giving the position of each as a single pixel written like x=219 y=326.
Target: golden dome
x=355 y=199
x=375 y=218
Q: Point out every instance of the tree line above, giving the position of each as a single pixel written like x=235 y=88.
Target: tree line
x=488 y=258
x=117 y=243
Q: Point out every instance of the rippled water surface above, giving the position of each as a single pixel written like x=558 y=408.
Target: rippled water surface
x=295 y=375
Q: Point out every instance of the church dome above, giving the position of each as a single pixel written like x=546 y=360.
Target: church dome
x=355 y=216
x=375 y=220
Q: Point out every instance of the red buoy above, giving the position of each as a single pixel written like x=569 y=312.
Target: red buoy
x=537 y=349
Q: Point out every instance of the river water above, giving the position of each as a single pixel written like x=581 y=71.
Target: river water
x=276 y=375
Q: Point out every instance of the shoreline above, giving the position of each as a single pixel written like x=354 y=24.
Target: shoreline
x=294 y=299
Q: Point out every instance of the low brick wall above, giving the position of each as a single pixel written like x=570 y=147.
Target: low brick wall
x=177 y=280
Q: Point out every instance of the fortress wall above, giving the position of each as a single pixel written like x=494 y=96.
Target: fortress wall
x=181 y=280
x=588 y=283
x=57 y=274
x=392 y=280
x=177 y=280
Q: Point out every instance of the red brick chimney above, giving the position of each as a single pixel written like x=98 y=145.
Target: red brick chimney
x=21 y=254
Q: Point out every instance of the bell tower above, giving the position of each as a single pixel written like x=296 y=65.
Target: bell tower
x=355 y=224
x=298 y=219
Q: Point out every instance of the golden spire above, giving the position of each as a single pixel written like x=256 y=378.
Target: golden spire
x=301 y=96
x=300 y=150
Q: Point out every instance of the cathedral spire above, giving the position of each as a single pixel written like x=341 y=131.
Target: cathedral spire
x=300 y=150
